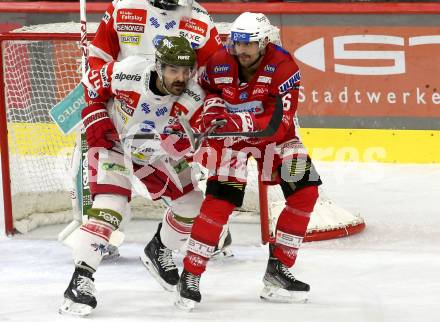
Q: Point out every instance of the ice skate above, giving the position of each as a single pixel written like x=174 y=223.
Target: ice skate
x=188 y=292
x=281 y=286
x=79 y=297
x=158 y=259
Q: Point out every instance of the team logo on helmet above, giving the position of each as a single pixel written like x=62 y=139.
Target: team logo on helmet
x=157 y=40
x=240 y=36
x=167 y=43
x=176 y=51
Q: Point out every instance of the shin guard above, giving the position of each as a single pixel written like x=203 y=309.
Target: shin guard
x=205 y=233
x=93 y=237
x=179 y=218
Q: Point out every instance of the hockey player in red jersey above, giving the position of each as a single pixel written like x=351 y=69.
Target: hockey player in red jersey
x=242 y=86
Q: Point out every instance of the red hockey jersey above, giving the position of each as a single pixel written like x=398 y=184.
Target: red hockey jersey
x=277 y=74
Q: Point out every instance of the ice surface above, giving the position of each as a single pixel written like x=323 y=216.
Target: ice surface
x=390 y=272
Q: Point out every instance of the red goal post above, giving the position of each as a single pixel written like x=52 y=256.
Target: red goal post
x=5 y=120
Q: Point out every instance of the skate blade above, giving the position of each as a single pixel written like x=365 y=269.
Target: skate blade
x=280 y=295
x=76 y=309
x=184 y=304
x=150 y=267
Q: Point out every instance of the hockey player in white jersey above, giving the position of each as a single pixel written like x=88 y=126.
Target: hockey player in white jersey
x=132 y=27
x=136 y=96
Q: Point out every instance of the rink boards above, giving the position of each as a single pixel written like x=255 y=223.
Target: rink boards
x=324 y=144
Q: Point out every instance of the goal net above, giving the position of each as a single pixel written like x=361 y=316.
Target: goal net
x=40 y=66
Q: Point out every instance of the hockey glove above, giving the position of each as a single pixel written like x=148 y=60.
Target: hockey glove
x=214 y=109
x=98 y=124
x=238 y=122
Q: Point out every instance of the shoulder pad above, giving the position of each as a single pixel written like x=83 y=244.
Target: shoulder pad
x=130 y=69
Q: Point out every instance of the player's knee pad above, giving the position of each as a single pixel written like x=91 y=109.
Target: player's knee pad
x=104 y=217
x=292 y=223
x=205 y=233
x=232 y=192
x=296 y=215
x=297 y=173
x=188 y=206
x=303 y=199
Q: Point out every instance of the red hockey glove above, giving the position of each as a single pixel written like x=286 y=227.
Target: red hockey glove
x=98 y=124
x=214 y=109
x=238 y=122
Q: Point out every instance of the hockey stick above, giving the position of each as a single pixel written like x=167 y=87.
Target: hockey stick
x=83 y=40
x=270 y=129
x=82 y=200
x=67 y=235
x=196 y=141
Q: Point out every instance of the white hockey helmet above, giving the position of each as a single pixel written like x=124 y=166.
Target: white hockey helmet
x=249 y=27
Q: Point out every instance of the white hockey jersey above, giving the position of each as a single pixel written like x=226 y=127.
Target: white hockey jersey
x=135 y=109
